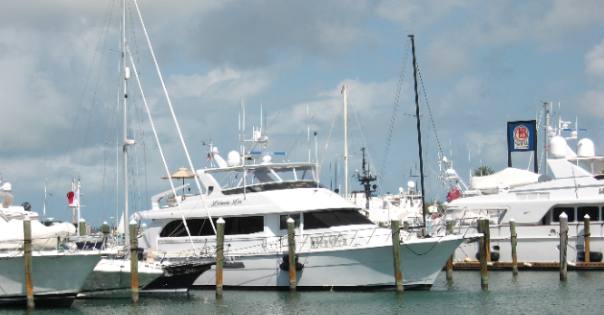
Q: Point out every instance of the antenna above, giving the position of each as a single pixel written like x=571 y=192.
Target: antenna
x=365 y=178
x=45 y=197
x=317 y=158
x=308 y=132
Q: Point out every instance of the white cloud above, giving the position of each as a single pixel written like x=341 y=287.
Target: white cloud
x=446 y=58
x=594 y=60
x=592 y=102
x=223 y=84
x=567 y=16
x=486 y=147
x=412 y=14
x=369 y=100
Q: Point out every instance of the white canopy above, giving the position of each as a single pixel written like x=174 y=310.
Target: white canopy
x=506 y=178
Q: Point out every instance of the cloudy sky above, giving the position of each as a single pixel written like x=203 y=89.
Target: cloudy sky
x=482 y=64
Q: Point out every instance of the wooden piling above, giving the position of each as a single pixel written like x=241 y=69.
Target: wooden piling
x=105 y=230
x=82 y=227
x=396 y=254
x=219 y=256
x=134 y=262
x=29 y=287
x=586 y=235
x=514 y=241
x=291 y=252
x=483 y=227
x=563 y=246
x=450 y=224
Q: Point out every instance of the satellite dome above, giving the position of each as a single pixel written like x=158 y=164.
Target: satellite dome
x=410 y=184
x=233 y=158
x=557 y=147
x=585 y=148
x=215 y=150
x=267 y=159
x=6 y=186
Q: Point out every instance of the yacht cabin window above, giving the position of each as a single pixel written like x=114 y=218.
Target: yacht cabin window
x=592 y=211
x=202 y=227
x=335 y=217
x=570 y=212
x=265 y=177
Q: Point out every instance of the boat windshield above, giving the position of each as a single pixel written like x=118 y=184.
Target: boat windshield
x=270 y=176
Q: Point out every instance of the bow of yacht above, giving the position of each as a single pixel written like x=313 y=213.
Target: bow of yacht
x=58 y=272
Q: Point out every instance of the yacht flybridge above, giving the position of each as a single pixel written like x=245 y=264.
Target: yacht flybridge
x=336 y=245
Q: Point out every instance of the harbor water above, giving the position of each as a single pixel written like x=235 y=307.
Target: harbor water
x=529 y=293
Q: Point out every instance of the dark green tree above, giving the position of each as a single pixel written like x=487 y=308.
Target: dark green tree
x=483 y=171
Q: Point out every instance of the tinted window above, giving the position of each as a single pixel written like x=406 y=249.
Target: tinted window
x=243 y=225
x=328 y=218
x=570 y=212
x=594 y=213
x=202 y=227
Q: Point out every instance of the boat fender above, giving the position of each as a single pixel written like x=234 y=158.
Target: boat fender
x=494 y=256
x=594 y=256
x=495 y=253
x=285 y=263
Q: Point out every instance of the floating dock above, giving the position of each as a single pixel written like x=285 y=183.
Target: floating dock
x=533 y=266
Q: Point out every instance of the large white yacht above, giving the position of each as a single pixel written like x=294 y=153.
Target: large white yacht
x=336 y=245
x=574 y=185
x=58 y=272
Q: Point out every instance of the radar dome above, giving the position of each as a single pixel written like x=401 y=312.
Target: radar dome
x=266 y=159
x=585 y=148
x=6 y=186
x=557 y=147
x=233 y=158
x=411 y=184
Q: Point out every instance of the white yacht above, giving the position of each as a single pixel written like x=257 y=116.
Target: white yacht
x=574 y=185
x=58 y=273
x=406 y=206
x=336 y=245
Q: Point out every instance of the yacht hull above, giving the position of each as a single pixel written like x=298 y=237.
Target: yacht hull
x=57 y=278
x=348 y=268
x=114 y=275
x=536 y=244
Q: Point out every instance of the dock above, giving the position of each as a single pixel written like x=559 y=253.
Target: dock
x=532 y=266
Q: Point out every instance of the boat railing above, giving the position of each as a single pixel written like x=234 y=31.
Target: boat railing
x=41 y=244
x=304 y=242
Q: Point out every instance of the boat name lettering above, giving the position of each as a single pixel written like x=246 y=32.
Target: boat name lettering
x=224 y=203
x=328 y=241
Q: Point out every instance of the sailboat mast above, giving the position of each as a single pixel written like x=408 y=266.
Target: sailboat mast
x=125 y=121
x=345 y=95
x=419 y=130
